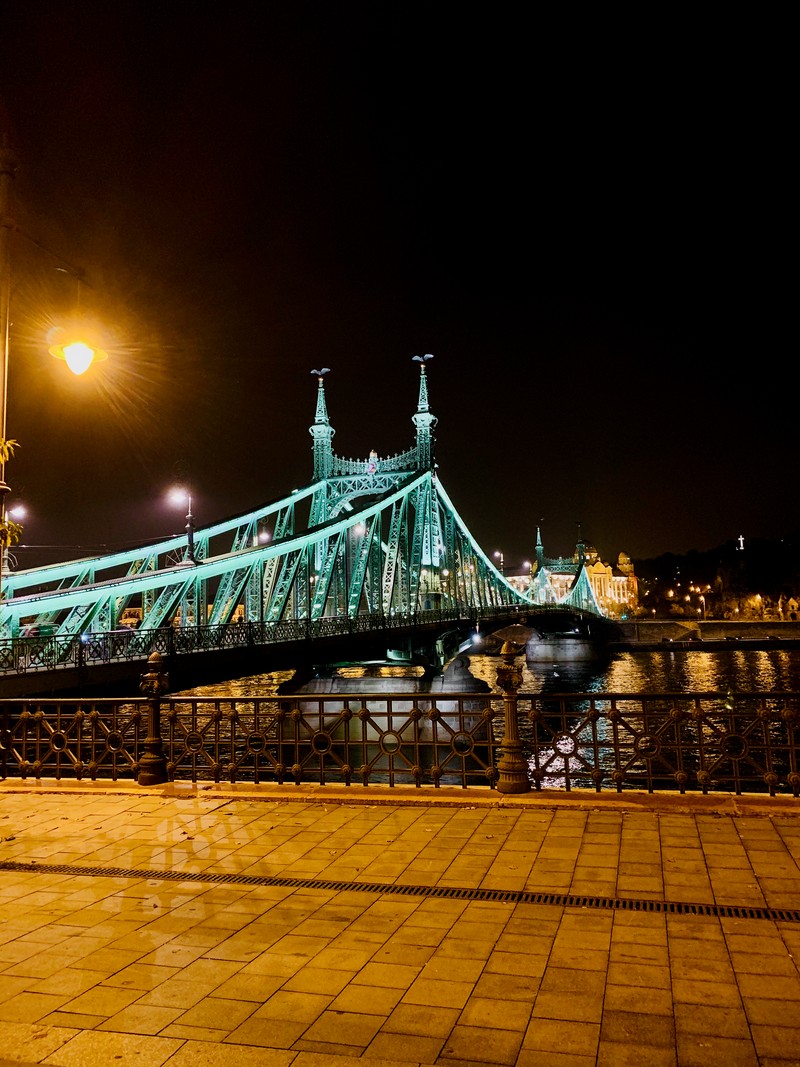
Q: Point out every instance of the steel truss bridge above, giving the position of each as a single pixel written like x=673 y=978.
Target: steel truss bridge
x=370 y=543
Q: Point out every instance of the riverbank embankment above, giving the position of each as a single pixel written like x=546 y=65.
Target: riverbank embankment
x=707 y=634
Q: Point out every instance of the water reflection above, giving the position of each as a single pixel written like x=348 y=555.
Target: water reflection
x=626 y=672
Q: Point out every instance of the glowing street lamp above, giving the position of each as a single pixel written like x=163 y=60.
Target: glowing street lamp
x=180 y=497
x=79 y=355
x=499 y=555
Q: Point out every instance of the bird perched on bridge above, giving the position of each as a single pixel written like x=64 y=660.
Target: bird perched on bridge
x=423 y=359
x=319 y=373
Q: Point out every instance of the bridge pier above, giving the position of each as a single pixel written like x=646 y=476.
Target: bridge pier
x=512 y=767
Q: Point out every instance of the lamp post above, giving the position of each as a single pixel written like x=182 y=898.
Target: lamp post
x=8 y=166
x=78 y=354
x=499 y=556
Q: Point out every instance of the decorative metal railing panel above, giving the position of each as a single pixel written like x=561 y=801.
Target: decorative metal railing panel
x=95 y=739
x=704 y=742
x=369 y=739
x=740 y=743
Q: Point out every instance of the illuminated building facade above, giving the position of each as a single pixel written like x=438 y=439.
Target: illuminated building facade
x=583 y=580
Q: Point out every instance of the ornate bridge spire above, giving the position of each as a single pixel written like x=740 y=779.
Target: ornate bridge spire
x=423 y=420
x=322 y=432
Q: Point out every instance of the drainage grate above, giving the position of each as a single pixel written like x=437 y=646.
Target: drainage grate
x=502 y=896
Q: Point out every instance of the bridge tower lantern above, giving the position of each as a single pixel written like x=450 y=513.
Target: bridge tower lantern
x=322 y=432
x=423 y=419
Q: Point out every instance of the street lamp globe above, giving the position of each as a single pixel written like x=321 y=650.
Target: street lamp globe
x=78 y=355
x=179 y=496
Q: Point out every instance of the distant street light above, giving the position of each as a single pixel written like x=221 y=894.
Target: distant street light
x=180 y=497
x=499 y=555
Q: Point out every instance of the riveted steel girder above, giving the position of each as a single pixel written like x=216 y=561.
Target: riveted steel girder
x=365 y=544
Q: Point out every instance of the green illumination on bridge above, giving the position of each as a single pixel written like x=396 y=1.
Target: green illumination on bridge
x=378 y=536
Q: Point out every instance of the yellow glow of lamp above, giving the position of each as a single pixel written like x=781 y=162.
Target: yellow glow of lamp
x=78 y=355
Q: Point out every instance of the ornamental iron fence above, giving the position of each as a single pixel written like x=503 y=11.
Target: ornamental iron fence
x=514 y=742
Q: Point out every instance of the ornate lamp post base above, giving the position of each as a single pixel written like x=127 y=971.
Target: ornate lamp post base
x=512 y=768
x=153 y=764
x=513 y=771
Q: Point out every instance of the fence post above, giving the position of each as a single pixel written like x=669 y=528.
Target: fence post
x=511 y=767
x=153 y=764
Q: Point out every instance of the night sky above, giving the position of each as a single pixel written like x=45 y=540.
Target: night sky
x=585 y=223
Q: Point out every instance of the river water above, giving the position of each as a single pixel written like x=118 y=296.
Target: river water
x=660 y=671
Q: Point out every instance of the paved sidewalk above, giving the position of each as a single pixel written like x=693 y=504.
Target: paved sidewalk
x=205 y=927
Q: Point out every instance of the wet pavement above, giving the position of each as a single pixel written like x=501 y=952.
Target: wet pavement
x=276 y=926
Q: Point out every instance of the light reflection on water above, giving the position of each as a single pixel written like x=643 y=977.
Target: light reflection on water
x=626 y=672
x=658 y=671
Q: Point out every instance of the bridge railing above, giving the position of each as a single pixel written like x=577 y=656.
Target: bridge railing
x=29 y=654
x=365 y=739
x=688 y=743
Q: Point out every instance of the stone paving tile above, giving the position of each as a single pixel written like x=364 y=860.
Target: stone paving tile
x=533 y=1058
x=354 y=1029
x=394 y=1050
x=23 y=1042
x=252 y=987
x=195 y=1053
x=636 y=1028
x=95 y=1047
x=612 y=1054
x=715 y=1051
x=506 y=987
x=79 y=1022
x=713 y=1021
x=320 y=980
x=577 y=1007
x=438 y=993
x=496 y=1014
x=711 y=994
x=478 y=1045
x=293 y=1006
x=548 y=1036
x=763 y=1011
x=394 y=975
x=67 y=981
x=175 y=993
x=648 y=1001
x=140 y=1019
x=372 y=1001
x=270 y=1033
x=26 y=1007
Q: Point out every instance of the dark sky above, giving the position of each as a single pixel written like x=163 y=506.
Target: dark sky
x=585 y=222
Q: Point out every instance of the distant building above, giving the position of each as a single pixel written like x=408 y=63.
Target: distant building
x=582 y=581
